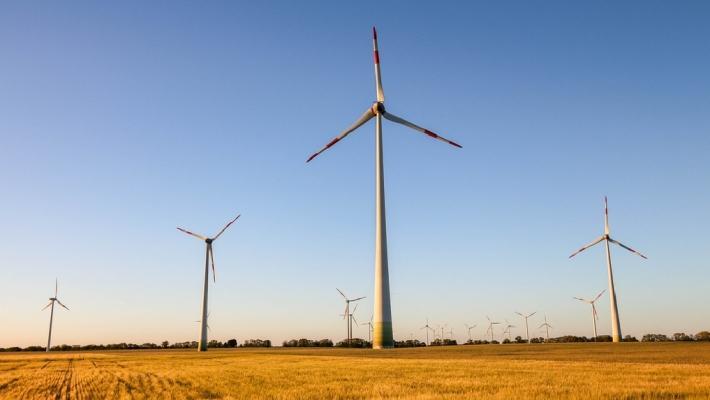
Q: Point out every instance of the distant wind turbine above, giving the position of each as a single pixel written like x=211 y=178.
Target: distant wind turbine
x=427 y=328
x=615 y=323
x=347 y=315
x=369 y=329
x=383 y=336
x=547 y=329
x=469 y=327
x=490 y=327
x=527 y=332
x=53 y=300
x=507 y=329
x=594 y=310
x=209 y=256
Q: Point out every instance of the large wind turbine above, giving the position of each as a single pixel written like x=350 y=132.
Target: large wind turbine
x=507 y=329
x=525 y=317
x=615 y=324
x=347 y=315
x=547 y=329
x=594 y=310
x=209 y=256
x=383 y=337
x=53 y=300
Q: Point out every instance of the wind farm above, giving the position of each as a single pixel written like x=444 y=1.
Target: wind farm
x=125 y=122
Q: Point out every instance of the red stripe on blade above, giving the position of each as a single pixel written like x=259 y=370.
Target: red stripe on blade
x=377 y=57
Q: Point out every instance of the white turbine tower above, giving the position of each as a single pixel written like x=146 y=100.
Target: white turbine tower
x=209 y=256
x=347 y=315
x=525 y=317
x=383 y=336
x=490 y=327
x=594 y=310
x=53 y=300
x=615 y=324
x=428 y=328
x=547 y=329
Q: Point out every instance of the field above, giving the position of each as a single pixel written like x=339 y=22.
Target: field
x=575 y=371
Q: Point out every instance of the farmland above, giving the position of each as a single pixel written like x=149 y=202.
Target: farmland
x=575 y=371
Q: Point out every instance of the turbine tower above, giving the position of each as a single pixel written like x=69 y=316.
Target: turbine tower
x=209 y=256
x=383 y=336
x=347 y=315
x=490 y=327
x=428 y=328
x=594 y=310
x=369 y=329
x=547 y=329
x=527 y=332
x=53 y=300
x=615 y=324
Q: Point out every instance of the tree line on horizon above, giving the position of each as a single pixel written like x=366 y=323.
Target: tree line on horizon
x=702 y=336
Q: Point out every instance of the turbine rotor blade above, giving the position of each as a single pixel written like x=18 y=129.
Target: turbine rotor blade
x=192 y=234
x=359 y=298
x=364 y=118
x=599 y=295
x=581 y=299
x=354 y=309
x=226 y=226
x=45 y=307
x=587 y=246
x=606 y=216
x=427 y=132
x=214 y=273
x=342 y=294
x=60 y=303
x=534 y=312
x=376 y=59
x=56 y=287
x=628 y=248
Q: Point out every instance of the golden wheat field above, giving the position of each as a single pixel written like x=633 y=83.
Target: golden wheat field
x=574 y=371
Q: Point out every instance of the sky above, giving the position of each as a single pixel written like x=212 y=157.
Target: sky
x=120 y=121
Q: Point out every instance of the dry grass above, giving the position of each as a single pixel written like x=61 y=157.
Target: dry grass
x=574 y=371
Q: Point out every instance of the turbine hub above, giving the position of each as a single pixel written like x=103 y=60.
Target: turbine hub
x=378 y=108
x=209 y=240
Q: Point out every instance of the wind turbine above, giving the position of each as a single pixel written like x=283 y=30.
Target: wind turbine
x=383 y=336
x=547 y=329
x=507 y=328
x=347 y=315
x=53 y=300
x=469 y=327
x=209 y=256
x=490 y=327
x=615 y=324
x=369 y=329
x=427 y=327
x=594 y=310
x=527 y=332
x=451 y=333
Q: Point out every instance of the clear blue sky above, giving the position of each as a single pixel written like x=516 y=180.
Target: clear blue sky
x=119 y=122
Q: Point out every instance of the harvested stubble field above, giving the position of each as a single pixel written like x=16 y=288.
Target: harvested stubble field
x=576 y=371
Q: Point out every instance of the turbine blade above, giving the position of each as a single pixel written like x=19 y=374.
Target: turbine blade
x=45 y=307
x=581 y=299
x=378 y=76
x=364 y=118
x=347 y=309
x=519 y=314
x=226 y=226
x=587 y=246
x=427 y=132
x=627 y=248
x=56 y=287
x=342 y=294
x=359 y=298
x=534 y=312
x=354 y=309
x=353 y=317
x=606 y=216
x=214 y=273
x=599 y=295
x=193 y=234
x=60 y=303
